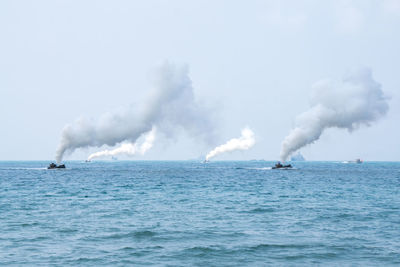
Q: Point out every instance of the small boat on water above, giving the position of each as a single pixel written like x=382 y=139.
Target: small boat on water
x=55 y=166
x=358 y=161
x=281 y=166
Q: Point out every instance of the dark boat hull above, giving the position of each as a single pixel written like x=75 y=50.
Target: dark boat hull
x=285 y=167
x=54 y=166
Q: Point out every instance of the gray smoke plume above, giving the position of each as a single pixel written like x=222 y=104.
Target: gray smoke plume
x=356 y=100
x=172 y=106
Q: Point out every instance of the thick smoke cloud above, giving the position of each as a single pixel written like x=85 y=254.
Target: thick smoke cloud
x=355 y=101
x=171 y=107
x=128 y=149
x=244 y=142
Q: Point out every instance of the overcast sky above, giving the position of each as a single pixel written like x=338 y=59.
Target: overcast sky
x=253 y=63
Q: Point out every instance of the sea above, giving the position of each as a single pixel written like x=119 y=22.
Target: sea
x=189 y=213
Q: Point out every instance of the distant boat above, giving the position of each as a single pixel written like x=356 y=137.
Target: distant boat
x=281 y=166
x=55 y=166
x=358 y=161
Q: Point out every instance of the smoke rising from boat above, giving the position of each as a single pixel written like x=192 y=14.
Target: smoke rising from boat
x=171 y=107
x=128 y=149
x=244 y=142
x=357 y=100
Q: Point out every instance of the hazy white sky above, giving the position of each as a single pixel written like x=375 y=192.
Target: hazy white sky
x=252 y=62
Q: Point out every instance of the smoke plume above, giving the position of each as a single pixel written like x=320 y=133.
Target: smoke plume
x=355 y=101
x=171 y=107
x=128 y=149
x=244 y=142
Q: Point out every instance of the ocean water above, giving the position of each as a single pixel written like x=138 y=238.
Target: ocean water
x=186 y=213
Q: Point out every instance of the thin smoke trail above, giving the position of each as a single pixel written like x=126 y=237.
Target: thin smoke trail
x=128 y=149
x=244 y=142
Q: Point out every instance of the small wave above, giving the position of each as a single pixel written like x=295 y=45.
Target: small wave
x=23 y=168
x=82 y=260
x=140 y=234
x=204 y=251
x=37 y=239
x=254 y=168
x=29 y=224
x=127 y=249
x=145 y=248
x=280 y=246
x=200 y=251
x=261 y=210
x=135 y=234
x=324 y=255
x=67 y=230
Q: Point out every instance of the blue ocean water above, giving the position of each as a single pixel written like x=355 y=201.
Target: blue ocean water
x=187 y=213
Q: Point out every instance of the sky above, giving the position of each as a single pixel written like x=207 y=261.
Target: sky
x=252 y=63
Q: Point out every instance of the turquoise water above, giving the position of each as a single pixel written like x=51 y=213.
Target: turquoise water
x=192 y=214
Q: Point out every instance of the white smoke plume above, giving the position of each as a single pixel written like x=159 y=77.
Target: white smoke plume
x=171 y=107
x=355 y=101
x=128 y=149
x=244 y=142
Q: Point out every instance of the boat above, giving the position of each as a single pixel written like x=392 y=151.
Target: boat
x=358 y=161
x=55 y=166
x=281 y=166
